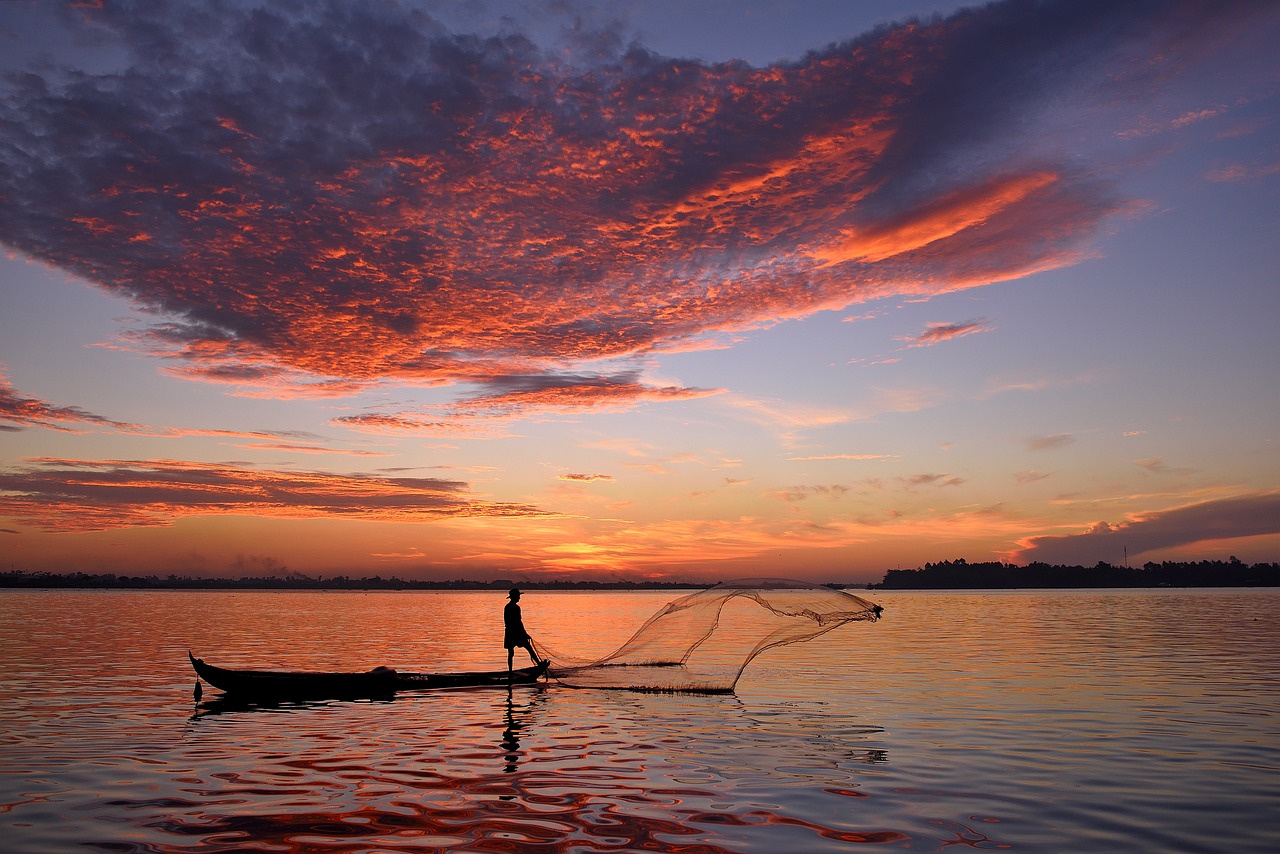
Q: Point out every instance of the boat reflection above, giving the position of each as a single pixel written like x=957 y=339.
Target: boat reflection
x=224 y=703
x=230 y=704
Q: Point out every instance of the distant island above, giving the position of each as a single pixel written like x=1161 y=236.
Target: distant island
x=948 y=575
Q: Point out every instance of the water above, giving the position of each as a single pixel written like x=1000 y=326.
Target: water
x=1029 y=721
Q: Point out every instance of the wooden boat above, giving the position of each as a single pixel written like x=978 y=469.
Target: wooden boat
x=379 y=682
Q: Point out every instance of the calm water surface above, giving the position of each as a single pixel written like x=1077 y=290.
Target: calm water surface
x=1028 y=721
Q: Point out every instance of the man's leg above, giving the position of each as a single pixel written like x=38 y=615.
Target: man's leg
x=511 y=656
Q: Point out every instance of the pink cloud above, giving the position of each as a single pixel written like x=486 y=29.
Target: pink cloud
x=938 y=332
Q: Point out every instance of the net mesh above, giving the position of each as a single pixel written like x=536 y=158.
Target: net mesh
x=701 y=643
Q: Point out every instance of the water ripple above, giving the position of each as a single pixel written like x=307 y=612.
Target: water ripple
x=1083 y=721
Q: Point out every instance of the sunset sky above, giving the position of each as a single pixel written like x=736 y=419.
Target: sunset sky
x=648 y=289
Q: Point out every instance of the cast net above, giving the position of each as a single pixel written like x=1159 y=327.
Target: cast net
x=701 y=643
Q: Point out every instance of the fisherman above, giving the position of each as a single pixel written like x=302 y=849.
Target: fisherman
x=515 y=633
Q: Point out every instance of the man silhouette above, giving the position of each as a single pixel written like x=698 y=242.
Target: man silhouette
x=515 y=632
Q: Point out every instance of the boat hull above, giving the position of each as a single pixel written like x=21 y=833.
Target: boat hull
x=379 y=682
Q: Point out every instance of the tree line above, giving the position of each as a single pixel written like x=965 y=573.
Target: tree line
x=962 y=575
x=947 y=575
x=296 y=581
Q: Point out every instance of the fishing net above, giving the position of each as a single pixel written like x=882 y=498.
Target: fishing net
x=701 y=643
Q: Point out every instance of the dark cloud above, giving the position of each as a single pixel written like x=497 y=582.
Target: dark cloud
x=800 y=493
x=844 y=457
x=1252 y=515
x=290 y=447
x=95 y=495
x=401 y=422
x=505 y=395
x=504 y=398
x=343 y=192
x=18 y=411
x=1155 y=465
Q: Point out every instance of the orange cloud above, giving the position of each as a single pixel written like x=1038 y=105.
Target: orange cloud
x=936 y=221
x=18 y=411
x=514 y=212
x=94 y=495
x=505 y=398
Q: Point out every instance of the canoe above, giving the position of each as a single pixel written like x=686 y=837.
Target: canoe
x=379 y=682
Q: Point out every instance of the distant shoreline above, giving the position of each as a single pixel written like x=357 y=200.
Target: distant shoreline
x=107 y=581
x=947 y=575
